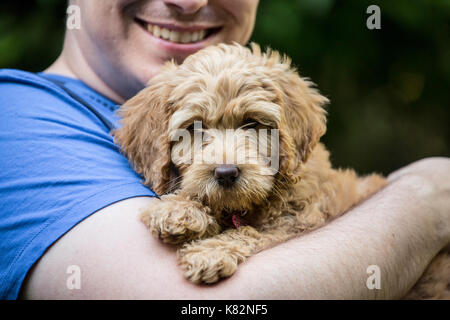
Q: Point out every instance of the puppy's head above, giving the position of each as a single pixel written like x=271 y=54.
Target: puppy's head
x=229 y=127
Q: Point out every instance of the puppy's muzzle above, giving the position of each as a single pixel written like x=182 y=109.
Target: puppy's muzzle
x=226 y=175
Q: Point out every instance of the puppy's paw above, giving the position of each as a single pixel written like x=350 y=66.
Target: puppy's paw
x=207 y=265
x=177 y=220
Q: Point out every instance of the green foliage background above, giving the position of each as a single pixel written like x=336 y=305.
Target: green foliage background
x=389 y=88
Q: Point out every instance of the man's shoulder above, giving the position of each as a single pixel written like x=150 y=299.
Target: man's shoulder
x=16 y=74
x=20 y=77
x=23 y=87
x=53 y=94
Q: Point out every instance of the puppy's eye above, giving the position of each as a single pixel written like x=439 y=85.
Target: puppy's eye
x=250 y=124
x=197 y=125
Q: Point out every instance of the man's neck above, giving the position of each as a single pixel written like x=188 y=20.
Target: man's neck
x=82 y=72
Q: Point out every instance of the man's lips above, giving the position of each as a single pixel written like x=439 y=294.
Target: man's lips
x=177 y=34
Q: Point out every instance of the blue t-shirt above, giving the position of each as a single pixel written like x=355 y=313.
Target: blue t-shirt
x=58 y=165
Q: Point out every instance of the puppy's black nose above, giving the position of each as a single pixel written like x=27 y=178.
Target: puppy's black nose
x=226 y=174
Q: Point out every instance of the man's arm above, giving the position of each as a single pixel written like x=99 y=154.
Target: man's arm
x=399 y=229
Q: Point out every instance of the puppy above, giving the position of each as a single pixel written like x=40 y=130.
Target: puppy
x=230 y=139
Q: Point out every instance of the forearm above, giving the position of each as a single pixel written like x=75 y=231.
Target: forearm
x=399 y=229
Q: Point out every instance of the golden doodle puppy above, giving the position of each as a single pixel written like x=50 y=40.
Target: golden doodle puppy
x=230 y=138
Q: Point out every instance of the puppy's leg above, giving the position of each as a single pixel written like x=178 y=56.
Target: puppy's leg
x=176 y=219
x=208 y=260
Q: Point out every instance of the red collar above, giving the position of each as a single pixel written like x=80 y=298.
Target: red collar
x=238 y=220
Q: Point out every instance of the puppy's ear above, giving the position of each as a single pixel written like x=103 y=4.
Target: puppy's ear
x=143 y=136
x=304 y=112
x=303 y=116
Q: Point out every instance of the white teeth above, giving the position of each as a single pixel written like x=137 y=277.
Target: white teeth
x=176 y=36
x=165 y=33
x=185 y=37
x=156 y=31
x=194 y=36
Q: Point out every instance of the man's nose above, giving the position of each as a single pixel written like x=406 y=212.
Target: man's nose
x=226 y=174
x=186 y=6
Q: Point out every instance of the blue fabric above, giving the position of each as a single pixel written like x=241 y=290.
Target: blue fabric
x=58 y=165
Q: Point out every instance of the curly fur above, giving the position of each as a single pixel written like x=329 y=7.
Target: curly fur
x=224 y=87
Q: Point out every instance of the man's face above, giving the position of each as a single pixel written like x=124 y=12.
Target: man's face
x=126 y=42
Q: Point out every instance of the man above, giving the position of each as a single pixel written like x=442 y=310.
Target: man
x=70 y=203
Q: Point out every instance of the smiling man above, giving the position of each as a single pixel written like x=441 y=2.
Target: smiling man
x=122 y=44
x=70 y=201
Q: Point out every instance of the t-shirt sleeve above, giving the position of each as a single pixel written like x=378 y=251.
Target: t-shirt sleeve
x=58 y=165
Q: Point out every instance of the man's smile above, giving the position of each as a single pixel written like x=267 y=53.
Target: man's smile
x=179 y=39
x=179 y=34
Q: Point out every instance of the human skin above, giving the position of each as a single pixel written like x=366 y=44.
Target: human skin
x=399 y=229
